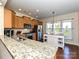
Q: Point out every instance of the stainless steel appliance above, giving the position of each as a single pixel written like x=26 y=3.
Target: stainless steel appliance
x=38 y=29
x=39 y=33
x=27 y=26
x=8 y=32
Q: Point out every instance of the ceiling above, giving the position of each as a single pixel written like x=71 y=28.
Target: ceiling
x=43 y=8
x=3 y=2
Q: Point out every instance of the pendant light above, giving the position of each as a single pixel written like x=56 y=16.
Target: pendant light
x=53 y=15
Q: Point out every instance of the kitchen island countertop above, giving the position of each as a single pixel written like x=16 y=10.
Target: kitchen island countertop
x=29 y=49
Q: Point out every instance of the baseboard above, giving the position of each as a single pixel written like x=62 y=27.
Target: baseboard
x=72 y=44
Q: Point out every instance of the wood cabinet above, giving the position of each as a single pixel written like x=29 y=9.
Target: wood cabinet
x=18 y=22
x=27 y=20
x=34 y=22
x=13 y=21
x=9 y=17
x=34 y=36
x=40 y=23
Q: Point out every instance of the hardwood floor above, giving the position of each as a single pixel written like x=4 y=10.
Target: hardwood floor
x=69 y=52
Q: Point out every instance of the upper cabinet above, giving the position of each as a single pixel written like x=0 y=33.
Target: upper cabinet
x=13 y=21
x=9 y=18
x=34 y=22
x=19 y=22
x=40 y=23
x=27 y=20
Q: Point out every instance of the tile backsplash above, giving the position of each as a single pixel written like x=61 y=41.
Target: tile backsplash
x=22 y=31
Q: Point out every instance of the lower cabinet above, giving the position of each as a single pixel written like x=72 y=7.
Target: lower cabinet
x=54 y=40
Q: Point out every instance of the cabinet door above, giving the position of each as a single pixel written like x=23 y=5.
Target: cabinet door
x=7 y=18
x=20 y=22
x=34 y=22
x=34 y=36
x=50 y=40
x=13 y=20
x=16 y=22
x=27 y=20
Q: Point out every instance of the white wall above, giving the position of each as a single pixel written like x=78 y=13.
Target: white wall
x=1 y=20
x=2 y=17
x=73 y=15
x=78 y=28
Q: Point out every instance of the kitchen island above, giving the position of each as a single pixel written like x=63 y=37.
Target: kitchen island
x=29 y=49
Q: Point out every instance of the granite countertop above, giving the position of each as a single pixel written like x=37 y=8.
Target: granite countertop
x=29 y=49
x=57 y=34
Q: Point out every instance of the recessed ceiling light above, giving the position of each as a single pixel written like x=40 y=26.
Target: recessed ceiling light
x=37 y=10
x=0 y=3
x=19 y=9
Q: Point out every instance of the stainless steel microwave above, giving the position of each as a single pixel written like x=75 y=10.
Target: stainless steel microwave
x=27 y=26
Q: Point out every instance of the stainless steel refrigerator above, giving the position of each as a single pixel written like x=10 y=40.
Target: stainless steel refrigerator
x=39 y=33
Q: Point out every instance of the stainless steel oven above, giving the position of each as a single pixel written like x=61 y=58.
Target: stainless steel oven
x=8 y=32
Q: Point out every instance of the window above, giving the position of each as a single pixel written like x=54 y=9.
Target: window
x=67 y=29
x=49 y=28
x=57 y=27
x=61 y=26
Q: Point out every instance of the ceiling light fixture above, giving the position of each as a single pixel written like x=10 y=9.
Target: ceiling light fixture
x=0 y=3
x=37 y=10
x=19 y=9
x=53 y=15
